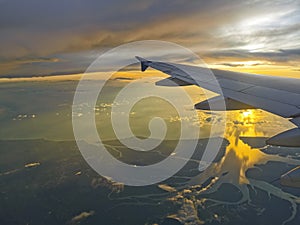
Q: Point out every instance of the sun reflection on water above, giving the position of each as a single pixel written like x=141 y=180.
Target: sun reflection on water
x=232 y=169
x=196 y=198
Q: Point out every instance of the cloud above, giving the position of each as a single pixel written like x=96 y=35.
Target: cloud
x=27 y=60
x=30 y=165
x=280 y=56
x=70 y=31
x=108 y=183
x=239 y=64
x=77 y=219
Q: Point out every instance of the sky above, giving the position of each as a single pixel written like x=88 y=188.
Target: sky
x=65 y=36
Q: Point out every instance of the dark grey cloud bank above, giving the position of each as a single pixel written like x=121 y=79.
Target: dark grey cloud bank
x=46 y=37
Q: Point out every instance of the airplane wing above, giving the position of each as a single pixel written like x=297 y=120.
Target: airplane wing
x=278 y=95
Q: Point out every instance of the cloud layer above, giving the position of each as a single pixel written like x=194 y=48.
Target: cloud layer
x=39 y=37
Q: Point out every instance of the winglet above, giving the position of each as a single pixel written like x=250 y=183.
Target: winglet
x=144 y=63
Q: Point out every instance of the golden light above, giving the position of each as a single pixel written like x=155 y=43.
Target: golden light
x=247 y=113
x=248 y=123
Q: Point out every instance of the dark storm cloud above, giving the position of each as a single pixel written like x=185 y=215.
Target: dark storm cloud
x=239 y=64
x=45 y=27
x=285 y=56
x=68 y=30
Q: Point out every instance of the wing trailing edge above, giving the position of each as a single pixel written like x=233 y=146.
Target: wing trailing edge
x=214 y=102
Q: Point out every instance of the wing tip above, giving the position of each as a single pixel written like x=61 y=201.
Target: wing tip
x=144 y=63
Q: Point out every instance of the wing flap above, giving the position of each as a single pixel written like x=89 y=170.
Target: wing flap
x=276 y=107
x=273 y=94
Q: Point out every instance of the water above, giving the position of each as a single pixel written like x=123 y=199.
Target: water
x=45 y=180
